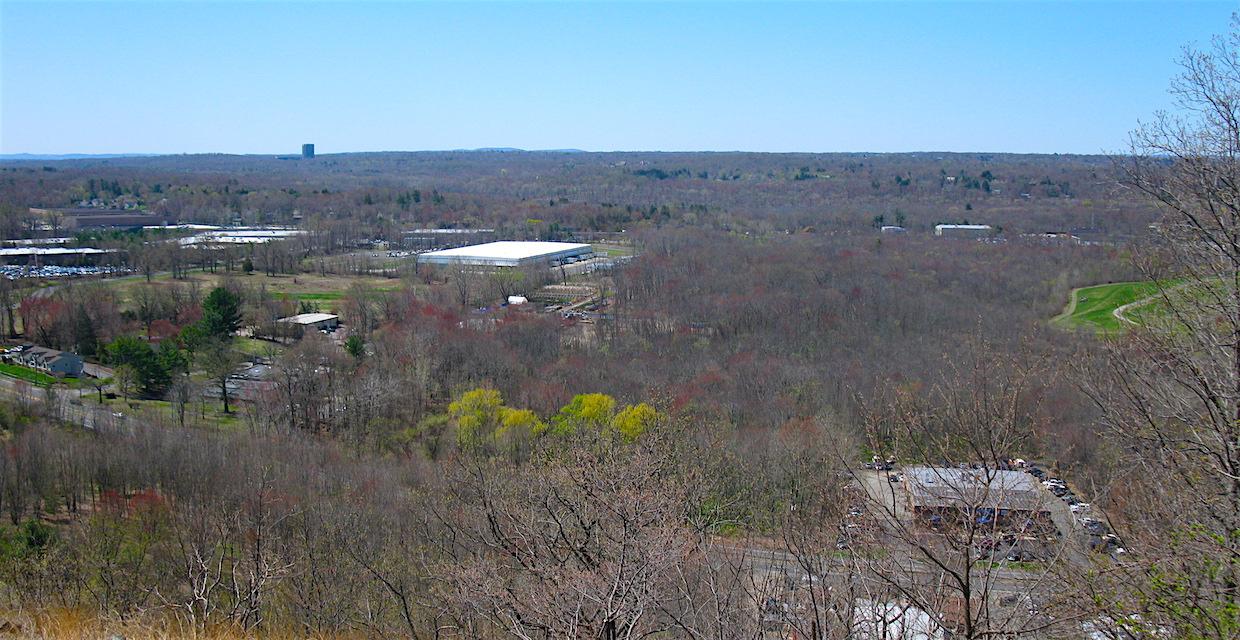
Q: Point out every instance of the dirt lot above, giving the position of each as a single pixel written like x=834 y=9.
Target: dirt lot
x=325 y=291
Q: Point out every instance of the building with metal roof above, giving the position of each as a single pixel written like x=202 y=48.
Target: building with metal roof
x=969 y=230
x=320 y=321
x=968 y=489
x=509 y=254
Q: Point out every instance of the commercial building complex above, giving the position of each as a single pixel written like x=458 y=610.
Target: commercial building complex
x=240 y=235
x=52 y=255
x=943 y=491
x=510 y=254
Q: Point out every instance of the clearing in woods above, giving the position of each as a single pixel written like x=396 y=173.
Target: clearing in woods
x=1094 y=307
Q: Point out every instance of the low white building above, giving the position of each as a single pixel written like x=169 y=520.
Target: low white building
x=963 y=230
x=510 y=254
x=316 y=321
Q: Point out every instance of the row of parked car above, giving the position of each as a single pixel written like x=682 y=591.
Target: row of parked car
x=18 y=271
x=858 y=527
x=1101 y=538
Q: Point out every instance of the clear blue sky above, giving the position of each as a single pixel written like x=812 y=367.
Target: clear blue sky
x=264 y=77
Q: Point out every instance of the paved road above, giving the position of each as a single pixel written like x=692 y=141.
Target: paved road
x=781 y=562
x=68 y=405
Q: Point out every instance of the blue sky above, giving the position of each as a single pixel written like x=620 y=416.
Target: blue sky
x=264 y=77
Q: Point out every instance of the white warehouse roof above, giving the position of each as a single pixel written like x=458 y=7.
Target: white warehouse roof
x=52 y=251
x=240 y=236
x=505 y=253
x=309 y=318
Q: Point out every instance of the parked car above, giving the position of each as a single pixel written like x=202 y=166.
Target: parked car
x=1094 y=527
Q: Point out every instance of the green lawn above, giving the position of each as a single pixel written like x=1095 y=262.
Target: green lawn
x=1094 y=307
x=1018 y=566
x=326 y=295
x=197 y=413
x=613 y=250
x=29 y=375
x=1197 y=297
x=254 y=347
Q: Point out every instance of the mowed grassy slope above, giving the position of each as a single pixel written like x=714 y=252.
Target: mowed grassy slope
x=1094 y=307
x=30 y=375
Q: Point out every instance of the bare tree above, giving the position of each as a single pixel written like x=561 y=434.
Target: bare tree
x=975 y=545
x=587 y=549
x=1170 y=391
x=220 y=360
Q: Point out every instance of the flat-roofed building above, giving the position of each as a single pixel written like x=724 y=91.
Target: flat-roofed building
x=52 y=255
x=316 y=321
x=510 y=254
x=963 y=230
x=969 y=492
x=217 y=237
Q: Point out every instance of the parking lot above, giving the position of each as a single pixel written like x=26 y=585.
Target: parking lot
x=1066 y=517
x=19 y=271
x=1076 y=517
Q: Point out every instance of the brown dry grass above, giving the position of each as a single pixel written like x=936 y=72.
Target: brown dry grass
x=74 y=624
x=310 y=286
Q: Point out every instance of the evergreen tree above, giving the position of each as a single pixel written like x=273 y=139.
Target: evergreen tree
x=221 y=313
x=85 y=340
x=151 y=371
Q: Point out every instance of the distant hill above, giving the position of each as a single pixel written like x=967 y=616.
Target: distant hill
x=517 y=150
x=72 y=156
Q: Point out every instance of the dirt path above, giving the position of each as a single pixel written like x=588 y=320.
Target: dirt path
x=1119 y=311
x=1071 y=308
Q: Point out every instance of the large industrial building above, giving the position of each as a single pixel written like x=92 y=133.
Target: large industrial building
x=53 y=255
x=510 y=254
x=240 y=235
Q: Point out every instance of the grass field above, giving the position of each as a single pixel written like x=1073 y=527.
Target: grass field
x=1094 y=307
x=29 y=375
x=613 y=250
x=255 y=347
